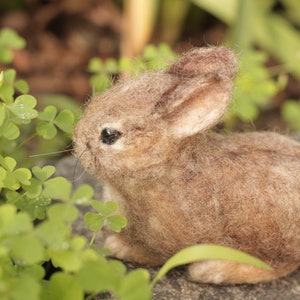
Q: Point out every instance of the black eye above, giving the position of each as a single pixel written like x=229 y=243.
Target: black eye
x=109 y=136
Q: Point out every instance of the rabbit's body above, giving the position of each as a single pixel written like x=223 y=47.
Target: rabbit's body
x=179 y=186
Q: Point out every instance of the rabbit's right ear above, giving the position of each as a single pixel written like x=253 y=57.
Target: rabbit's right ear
x=201 y=92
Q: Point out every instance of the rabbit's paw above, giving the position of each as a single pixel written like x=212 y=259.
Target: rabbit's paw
x=125 y=251
x=117 y=247
x=228 y=272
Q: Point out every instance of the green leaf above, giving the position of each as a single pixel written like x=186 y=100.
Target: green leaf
x=9 y=38
x=23 y=107
x=34 y=271
x=117 y=266
x=6 y=93
x=290 y=112
x=23 y=175
x=125 y=64
x=63 y=286
x=10 y=131
x=57 y=188
x=135 y=286
x=48 y=114
x=34 y=189
x=62 y=212
x=83 y=194
x=97 y=276
x=246 y=111
x=207 y=252
x=10 y=76
x=27 y=249
x=8 y=163
x=6 y=55
x=95 y=65
x=2 y=113
x=43 y=173
x=3 y=174
x=116 y=223
x=25 y=285
x=11 y=182
x=46 y=130
x=105 y=208
x=78 y=242
x=19 y=224
x=7 y=214
x=100 y=82
x=111 y=66
x=65 y=121
x=68 y=260
x=94 y=221
x=53 y=234
x=22 y=86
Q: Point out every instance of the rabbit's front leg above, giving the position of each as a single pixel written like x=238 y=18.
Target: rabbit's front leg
x=228 y=272
x=128 y=252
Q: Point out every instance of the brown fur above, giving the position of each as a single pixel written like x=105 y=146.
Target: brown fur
x=180 y=184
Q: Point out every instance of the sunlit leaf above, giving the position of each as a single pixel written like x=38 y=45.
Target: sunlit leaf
x=290 y=112
x=46 y=130
x=135 y=285
x=43 y=173
x=48 y=114
x=117 y=222
x=105 y=208
x=94 y=221
x=62 y=212
x=68 y=260
x=208 y=252
x=57 y=188
x=83 y=194
x=26 y=249
x=63 y=286
x=22 y=86
x=23 y=107
x=23 y=175
x=65 y=121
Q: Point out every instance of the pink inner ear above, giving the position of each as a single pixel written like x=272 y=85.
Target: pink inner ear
x=201 y=113
x=199 y=91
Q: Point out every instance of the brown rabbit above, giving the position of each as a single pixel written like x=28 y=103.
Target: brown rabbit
x=180 y=184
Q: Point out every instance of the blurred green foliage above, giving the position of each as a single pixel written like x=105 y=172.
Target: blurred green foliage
x=152 y=58
x=255 y=84
x=258 y=31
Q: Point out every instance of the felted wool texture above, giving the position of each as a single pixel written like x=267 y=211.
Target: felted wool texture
x=179 y=183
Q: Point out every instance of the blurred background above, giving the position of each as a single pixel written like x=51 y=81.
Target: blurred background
x=75 y=48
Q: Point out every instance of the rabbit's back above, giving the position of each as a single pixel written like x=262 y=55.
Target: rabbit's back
x=240 y=190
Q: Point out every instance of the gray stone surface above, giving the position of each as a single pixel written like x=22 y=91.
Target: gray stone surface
x=175 y=285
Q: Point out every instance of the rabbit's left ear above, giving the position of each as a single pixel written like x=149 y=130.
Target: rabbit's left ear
x=200 y=93
x=195 y=104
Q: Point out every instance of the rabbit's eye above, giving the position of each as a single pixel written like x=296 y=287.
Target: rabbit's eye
x=109 y=136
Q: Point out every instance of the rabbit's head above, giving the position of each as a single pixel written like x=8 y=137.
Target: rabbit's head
x=139 y=123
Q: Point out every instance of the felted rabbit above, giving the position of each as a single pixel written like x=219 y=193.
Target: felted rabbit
x=179 y=183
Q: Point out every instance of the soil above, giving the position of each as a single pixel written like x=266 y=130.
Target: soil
x=176 y=285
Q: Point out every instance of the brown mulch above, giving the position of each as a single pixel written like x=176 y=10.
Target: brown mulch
x=61 y=38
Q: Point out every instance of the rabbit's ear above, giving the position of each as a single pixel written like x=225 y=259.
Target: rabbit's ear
x=201 y=91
